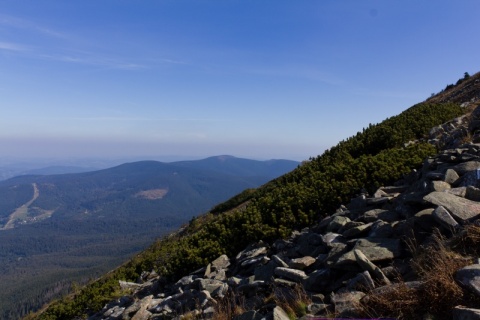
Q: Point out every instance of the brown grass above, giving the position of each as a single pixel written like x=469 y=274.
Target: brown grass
x=399 y=302
x=229 y=307
x=293 y=300
x=435 y=265
x=467 y=242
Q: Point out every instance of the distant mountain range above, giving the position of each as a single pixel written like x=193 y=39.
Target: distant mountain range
x=144 y=188
x=82 y=224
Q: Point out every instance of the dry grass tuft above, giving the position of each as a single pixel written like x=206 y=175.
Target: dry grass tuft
x=294 y=301
x=398 y=301
x=467 y=242
x=229 y=307
x=435 y=266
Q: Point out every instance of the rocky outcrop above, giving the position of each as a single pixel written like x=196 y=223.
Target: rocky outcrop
x=359 y=249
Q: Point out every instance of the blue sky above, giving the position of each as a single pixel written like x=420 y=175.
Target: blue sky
x=257 y=79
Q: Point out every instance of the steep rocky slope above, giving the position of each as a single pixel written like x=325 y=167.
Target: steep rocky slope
x=406 y=250
x=347 y=264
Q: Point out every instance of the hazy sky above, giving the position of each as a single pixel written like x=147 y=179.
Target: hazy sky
x=258 y=79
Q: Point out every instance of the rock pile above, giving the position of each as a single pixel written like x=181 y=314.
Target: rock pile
x=331 y=266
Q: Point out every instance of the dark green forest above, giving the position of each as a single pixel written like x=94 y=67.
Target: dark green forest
x=374 y=157
x=99 y=221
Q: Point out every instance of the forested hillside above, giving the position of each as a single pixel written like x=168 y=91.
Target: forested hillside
x=58 y=229
x=374 y=157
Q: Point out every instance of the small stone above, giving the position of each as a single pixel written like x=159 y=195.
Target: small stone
x=280 y=314
x=302 y=263
x=440 y=186
x=317 y=280
x=451 y=176
x=463 y=313
x=291 y=274
x=337 y=223
x=469 y=277
x=424 y=219
x=472 y=193
x=442 y=217
x=367 y=265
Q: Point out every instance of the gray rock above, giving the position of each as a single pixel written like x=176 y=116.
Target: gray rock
x=210 y=285
x=358 y=203
x=375 y=249
x=451 y=176
x=367 y=265
x=376 y=214
x=424 y=219
x=280 y=314
x=469 y=277
x=309 y=238
x=265 y=272
x=380 y=193
x=381 y=229
x=442 y=217
x=309 y=244
x=471 y=178
x=125 y=285
x=337 y=223
x=291 y=274
x=140 y=309
x=465 y=167
x=403 y=229
x=472 y=193
x=318 y=308
x=394 y=189
x=218 y=275
x=112 y=310
x=379 y=249
x=203 y=298
x=221 y=262
x=285 y=283
x=208 y=312
x=459 y=192
x=330 y=239
x=221 y=291
x=362 y=282
x=234 y=281
x=440 y=186
x=250 y=289
x=317 y=280
x=317 y=298
x=185 y=281
x=349 y=225
x=346 y=301
x=251 y=253
x=337 y=252
x=463 y=313
x=391 y=288
x=377 y=201
x=461 y=209
x=279 y=261
x=357 y=231
x=254 y=261
x=302 y=263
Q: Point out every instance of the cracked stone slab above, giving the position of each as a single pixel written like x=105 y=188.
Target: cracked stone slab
x=461 y=209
